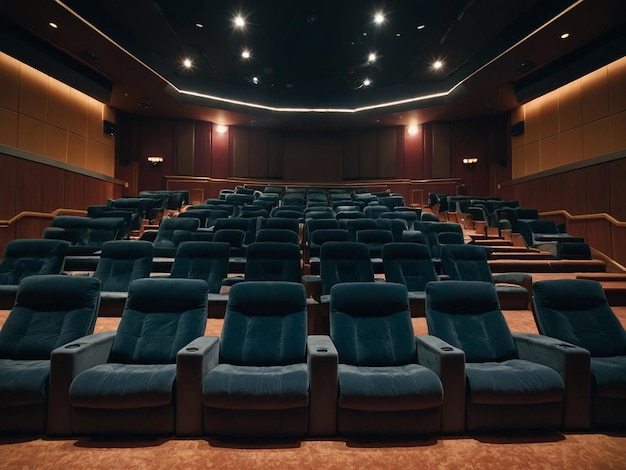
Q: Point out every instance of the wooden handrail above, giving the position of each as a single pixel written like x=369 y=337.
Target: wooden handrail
x=41 y=215
x=599 y=215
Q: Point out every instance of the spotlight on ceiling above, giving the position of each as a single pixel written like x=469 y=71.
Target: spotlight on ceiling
x=245 y=54
x=367 y=82
x=53 y=25
x=239 y=21
x=187 y=63
x=379 y=17
x=564 y=35
x=437 y=65
x=371 y=58
x=255 y=80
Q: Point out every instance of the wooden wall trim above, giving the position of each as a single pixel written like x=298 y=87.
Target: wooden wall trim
x=41 y=215
x=33 y=157
x=569 y=216
x=570 y=167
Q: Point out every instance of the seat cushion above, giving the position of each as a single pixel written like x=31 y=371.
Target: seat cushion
x=256 y=388
x=513 y=382
x=609 y=376
x=23 y=382
x=124 y=386
x=391 y=388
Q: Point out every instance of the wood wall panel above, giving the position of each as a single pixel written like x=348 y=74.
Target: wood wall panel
x=598 y=235
x=368 y=155
x=8 y=185
x=597 y=138
x=53 y=189
x=595 y=95
x=202 y=150
x=29 y=186
x=9 y=82
x=618 y=131
x=554 y=192
x=617 y=191
x=441 y=150
x=617 y=86
x=597 y=190
x=549 y=118
x=351 y=155
x=570 y=107
x=33 y=93
x=549 y=149
x=258 y=153
x=184 y=140
x=74 y=191
x=531 y=123
x=618 y=239
x=275 y=156
x=313 y=157
x=241 y=152
x=574 y=192
x=570 y=146
x=31 y=134
x=77 y=150
x=79 y=113
x=56 y=143
x=8 y=127
x=91 y=193
x=59 y=105
x=387 y=153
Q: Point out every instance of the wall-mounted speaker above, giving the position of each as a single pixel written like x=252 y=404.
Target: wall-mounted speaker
x=109 y=127
x=517 y=128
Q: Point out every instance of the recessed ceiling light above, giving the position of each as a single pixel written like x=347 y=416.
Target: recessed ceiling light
x=245 y=54
x=437 y=64
x=372 y=57
x=398 y=35
x=187 y=63
x=367 y=82
x=421 y=26
x=199 y=25
x=379 y=17
x=255 y=80
x=564 y=35
x=239 y=21
x=53 y=25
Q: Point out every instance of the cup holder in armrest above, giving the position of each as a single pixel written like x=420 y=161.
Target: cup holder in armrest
x=447 y=348
x=191 y=349
x=72 y=346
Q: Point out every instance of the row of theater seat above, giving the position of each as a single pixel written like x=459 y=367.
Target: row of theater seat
x=123 y=261
x=265 y=376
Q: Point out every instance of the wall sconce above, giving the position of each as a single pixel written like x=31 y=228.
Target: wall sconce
x=221 y=129
x=412 y=130
x=155 y=160
x=470 y=162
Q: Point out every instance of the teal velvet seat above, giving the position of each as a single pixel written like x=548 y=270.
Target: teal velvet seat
x=469 y=263
x=258 y=379
x=576 y=311
x=28 y=257
x=503 y=389
x=202 y=260
x=124 y=382
x=410 y=264
x=382 y=389
x=121 y=262
x=49 y=312
x=172 y=232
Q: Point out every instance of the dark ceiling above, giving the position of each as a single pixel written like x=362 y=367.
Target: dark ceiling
x=308 y=62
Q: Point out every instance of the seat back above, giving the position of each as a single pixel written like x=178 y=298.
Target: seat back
x=375 y=239
x=577 y=311
x=396 y=226
x=321 y=236
x=123 y=261
x=265 y=324
x=344 y=262
x=273 y=261
x=160 y=317
x=467 y=315
x=173 y=231
x=370 y=324
x=49 y=311
x=27 y=257
x=465 y=262
x=409 y=264
x=282 y=235
x=202 y=260
x=354 y=225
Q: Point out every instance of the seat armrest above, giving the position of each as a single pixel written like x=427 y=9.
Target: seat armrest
x=66 y=362
x=448 y=363
x=322 y=360
x=313 y=285
x=520 y=279
x=573 y=365
x=231 y=281
x=192 y=363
